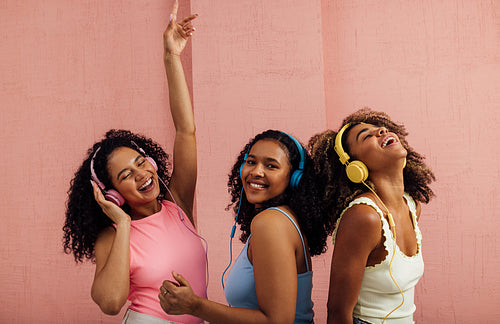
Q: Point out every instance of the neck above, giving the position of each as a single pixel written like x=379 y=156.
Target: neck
x=139 y=212
x=389 y=187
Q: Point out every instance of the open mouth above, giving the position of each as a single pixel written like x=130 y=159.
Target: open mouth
x=147 y=185
x=388 y=141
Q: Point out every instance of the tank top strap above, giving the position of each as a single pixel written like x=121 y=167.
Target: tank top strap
x=385 y=224
x=298 y=230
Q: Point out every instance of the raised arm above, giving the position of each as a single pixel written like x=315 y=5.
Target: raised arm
x=274 y=243
x=183 y=181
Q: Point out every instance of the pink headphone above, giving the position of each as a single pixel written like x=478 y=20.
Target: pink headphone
x=111 y=194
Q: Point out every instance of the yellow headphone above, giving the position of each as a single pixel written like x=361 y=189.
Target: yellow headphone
x=357 y=172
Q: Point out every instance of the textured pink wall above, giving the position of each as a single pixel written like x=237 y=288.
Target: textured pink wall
x=72 y=70
x=433 y=65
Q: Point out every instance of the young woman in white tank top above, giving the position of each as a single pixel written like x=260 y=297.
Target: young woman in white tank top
x=371 y=180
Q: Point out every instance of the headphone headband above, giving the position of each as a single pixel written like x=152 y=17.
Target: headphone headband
x=93 y=175
x=343 y=156
x=301 y=151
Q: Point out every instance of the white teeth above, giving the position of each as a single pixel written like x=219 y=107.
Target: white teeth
x=146 y=184
x=256 y=185
x=388 y=140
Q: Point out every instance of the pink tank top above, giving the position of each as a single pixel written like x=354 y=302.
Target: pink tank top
x=160 y=244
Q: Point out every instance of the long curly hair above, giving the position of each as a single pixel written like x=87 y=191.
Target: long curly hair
x=84 y=217
x=305 y=200
x=337 y=190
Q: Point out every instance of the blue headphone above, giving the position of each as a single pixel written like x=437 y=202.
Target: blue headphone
x=297 y=174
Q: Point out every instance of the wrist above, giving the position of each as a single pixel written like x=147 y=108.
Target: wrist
x=124 y=223
x=171 y=56
x=197 y=306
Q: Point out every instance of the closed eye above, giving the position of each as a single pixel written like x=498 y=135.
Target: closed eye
x=125 y=176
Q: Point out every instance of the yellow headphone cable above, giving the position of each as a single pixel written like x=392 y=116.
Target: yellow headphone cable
x=393 y=227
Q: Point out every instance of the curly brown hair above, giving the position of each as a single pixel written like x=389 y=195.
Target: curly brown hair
x=337 y=190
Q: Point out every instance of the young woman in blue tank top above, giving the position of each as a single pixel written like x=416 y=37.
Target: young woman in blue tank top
x=272 y=185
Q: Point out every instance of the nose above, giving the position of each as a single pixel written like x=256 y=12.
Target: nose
x=140 y=173
x=257 y=171
x=382 y=130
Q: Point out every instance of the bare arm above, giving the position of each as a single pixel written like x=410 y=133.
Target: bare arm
x=112 y=249
x=274 y=243
x=357 y=236
x=183 y=181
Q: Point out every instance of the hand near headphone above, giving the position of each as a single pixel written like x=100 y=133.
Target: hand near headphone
x=113 y=211
x=177 y=33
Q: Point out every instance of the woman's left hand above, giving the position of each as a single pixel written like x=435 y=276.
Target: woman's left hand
x=177 y=33
x=178 y=298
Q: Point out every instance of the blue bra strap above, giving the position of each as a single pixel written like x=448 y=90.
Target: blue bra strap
x=297 y=228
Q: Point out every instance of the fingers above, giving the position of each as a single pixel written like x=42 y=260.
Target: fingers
x=98 y=196
x=188 y=31
x=173 y=14
x=188 y=19
x=186 y=27
x=168 y=286
x=180 y=279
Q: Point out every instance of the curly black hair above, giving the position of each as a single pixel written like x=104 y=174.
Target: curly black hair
x=337 y=190
x=84 y=217
x=305 y=200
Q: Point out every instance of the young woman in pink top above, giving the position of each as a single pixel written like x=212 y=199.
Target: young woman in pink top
x=137 y=245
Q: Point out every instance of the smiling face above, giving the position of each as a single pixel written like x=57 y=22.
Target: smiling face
x=133 y=176
x=266 y=172
x=375 y=146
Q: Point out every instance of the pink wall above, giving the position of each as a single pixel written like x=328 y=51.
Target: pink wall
x=434 y=66
x=72 y=70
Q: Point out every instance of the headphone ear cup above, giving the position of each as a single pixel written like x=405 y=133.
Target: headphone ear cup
x=153 y=162
x=244 y=161
x=241 y=169
x=115 y=197
x=356 y=171
x=295 y=178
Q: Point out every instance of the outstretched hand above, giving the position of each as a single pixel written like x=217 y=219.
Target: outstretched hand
x=178 y=298
x=177 y=33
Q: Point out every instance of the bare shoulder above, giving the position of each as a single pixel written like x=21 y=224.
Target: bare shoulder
x=360 y=222
x=362 y=215
x=272 y=220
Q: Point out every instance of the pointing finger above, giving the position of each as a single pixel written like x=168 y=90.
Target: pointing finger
x=173 y=14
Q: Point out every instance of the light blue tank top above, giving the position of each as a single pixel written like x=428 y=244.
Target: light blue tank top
x=240 y=284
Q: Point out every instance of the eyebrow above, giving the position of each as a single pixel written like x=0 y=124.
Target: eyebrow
x=362 y=131
x=135 y=161
x=267 y=159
